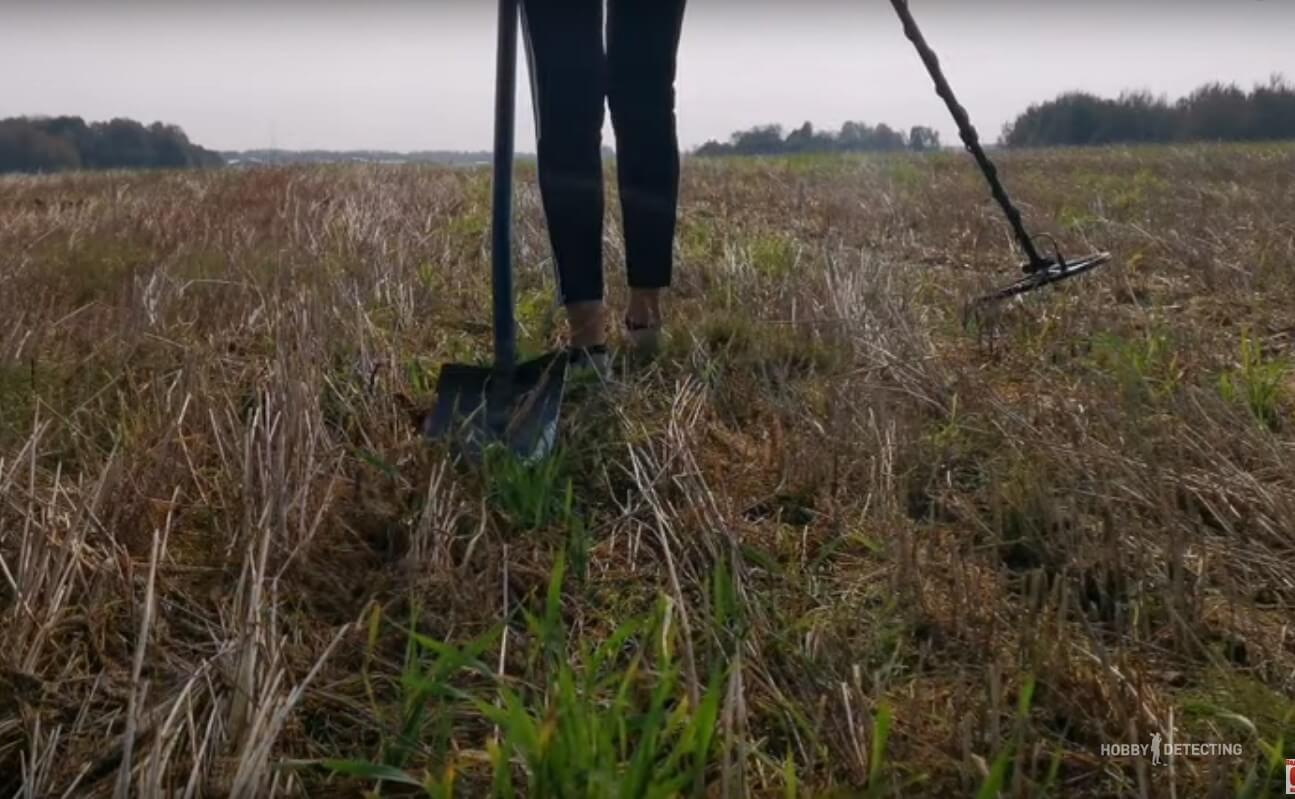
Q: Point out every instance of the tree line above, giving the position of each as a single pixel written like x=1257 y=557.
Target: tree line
x=1213 y=112
x=54 y=144
x=852 y=137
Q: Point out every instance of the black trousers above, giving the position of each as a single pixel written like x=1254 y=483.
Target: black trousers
x=572 y=73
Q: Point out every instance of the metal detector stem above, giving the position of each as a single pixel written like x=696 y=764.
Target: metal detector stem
x=969 y=136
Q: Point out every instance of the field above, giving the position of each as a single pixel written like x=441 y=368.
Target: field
x=839 y=540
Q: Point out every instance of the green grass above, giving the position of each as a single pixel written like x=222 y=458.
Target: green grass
x=700 y=240
x=1233 y=701
x=772 y=256
x=1257 y=384
x=1146 y=366
x=531 y=496
x=612 y=720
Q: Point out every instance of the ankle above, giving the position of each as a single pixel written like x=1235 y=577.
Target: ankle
x=588 y=324
x=644 y=310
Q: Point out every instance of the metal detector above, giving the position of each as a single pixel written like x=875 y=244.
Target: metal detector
x=1040 y=270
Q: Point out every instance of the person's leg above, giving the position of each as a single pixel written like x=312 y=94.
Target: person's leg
x=564 y=49
x=642 y=43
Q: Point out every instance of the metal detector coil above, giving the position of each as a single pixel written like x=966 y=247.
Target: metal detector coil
x=1053 y=272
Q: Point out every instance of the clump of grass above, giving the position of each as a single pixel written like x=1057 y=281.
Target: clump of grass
x=1146 y=366
x=1125 y=195
x=537 y=319
x=772 y=255
x=1229 y=705
x=700 y=241
x=607 y=727
x=611 y=719
x=1256 y=383
x=734 y=340
x=469 y=228
x=904 y=173
x=531 y=495
x=1230 y=700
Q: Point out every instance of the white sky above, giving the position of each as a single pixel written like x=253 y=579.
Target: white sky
x=406 y=75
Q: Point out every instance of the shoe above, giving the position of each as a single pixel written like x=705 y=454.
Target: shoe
x=589 y=364
x=644 y=340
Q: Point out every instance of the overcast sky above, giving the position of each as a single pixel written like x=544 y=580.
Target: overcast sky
x=405 y=75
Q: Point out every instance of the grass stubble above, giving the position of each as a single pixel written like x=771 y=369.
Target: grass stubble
x=835 y=542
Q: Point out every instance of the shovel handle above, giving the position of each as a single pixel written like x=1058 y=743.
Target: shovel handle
x=501 y=267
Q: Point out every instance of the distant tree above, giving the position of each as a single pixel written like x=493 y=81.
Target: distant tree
x=1272 y=110
x=922 y=138
x=24 y=148
x=760 y=140
x=805 y=140
x=852 y=137
x=712 y=147
x=1215 y=112
x=123 y=143
x=800 y=139
x=60 y=143
x=887 y=138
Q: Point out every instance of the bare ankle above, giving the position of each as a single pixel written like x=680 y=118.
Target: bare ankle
x=644 y=308
x=588 y=323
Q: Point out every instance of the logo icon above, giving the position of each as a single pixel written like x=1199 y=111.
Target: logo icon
x=1290 y=776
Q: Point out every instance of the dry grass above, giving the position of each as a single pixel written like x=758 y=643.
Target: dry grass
x=209 y=487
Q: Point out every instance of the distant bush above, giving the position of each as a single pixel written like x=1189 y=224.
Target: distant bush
x=52 y=144
x=1213 y=112
x=853 y=137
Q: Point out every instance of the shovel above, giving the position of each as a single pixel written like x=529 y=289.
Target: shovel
x=510 y=404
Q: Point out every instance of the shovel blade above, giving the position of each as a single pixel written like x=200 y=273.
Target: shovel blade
x=477 y=407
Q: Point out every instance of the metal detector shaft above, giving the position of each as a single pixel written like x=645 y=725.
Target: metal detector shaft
x=501 y=266
x=968 y=134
